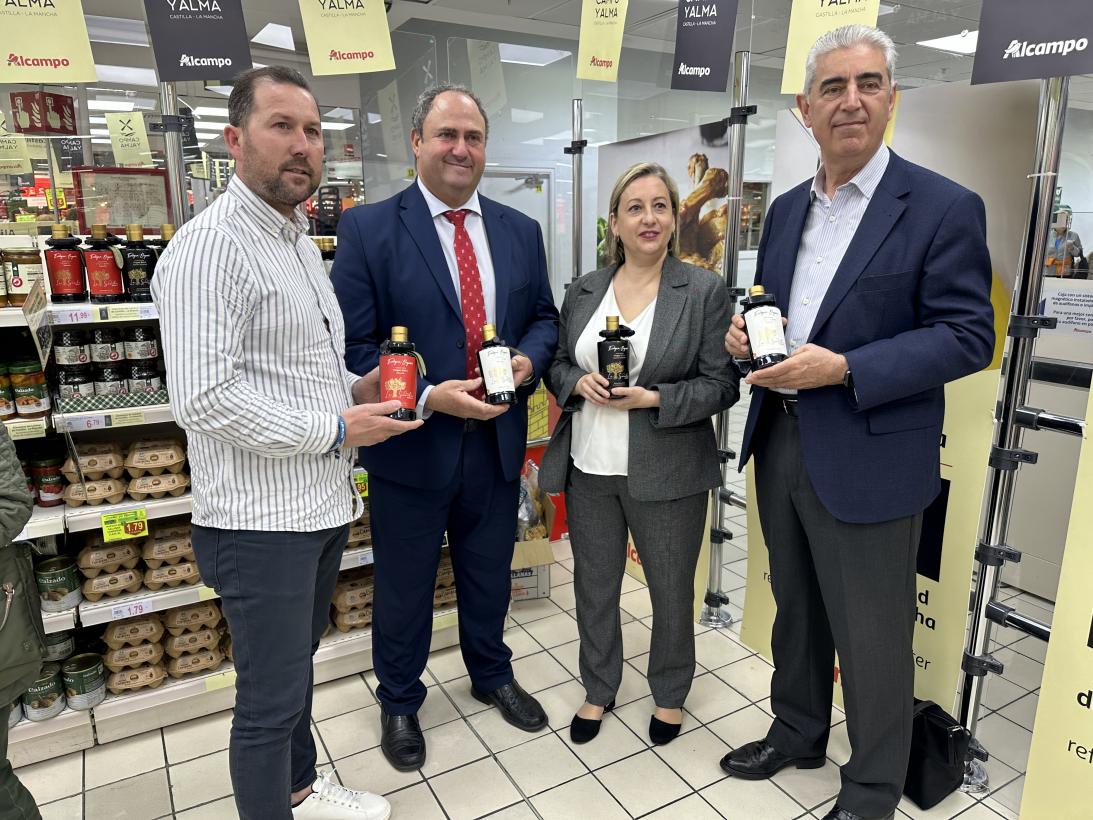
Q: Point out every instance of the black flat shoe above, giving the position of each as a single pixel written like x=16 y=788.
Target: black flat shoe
x=661 y=732
x=839 y=813
x=582 y=730
x=516 y=706
x=403 y=744
x=759 y=760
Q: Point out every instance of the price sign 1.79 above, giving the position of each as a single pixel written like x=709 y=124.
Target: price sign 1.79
x=120 y=526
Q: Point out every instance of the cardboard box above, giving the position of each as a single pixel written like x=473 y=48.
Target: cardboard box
x=531 y=562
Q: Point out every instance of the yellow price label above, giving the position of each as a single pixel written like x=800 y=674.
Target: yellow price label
x=121 y=526
x=361 y=480
x=126 y=418
x=221 y=681
x=124 y=313
x=205 y=593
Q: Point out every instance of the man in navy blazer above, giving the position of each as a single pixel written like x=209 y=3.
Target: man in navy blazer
x=424 y=259
x=882 y=271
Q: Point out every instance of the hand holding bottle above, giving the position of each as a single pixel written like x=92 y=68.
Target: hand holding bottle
x=633 y=398
x=593 y=387
x=454 y=398
x=367 y=424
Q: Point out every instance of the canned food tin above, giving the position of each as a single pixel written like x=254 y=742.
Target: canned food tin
x=140 y=343
x=46 y=697
x=58 y=584
x=28 y=384
x=70 y=347
x=84 y=680
x=16 y=714
x=59 y=645
x=107 y=345
x=7 y=397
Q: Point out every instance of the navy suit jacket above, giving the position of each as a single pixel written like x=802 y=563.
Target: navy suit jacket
x=390 y=270
x=910 y=308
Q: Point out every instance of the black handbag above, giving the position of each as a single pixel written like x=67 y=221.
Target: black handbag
x=939 y=746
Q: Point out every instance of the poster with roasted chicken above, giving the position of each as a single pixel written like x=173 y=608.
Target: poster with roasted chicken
x=697 y=159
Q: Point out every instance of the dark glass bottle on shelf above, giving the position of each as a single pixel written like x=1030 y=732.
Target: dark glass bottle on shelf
x=398 y=373
x=140 y=264
x=614 y=354
x=766 y=333
x=65 y=266
x=166 y=234
x=495 y=365
x=105 y=280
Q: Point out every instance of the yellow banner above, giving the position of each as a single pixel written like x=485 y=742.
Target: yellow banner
x=1060 y=764
x=14 y=156
x=129 y=139
x=602 y=24
x=45 y=42
x=808 y=19
x=347 y=36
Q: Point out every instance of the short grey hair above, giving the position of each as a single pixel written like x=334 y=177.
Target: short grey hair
x=848 y=37
x=428 y=97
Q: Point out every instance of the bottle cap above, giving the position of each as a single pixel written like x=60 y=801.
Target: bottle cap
x=59 y=231
x=326 y=243
x=166 y=231
x=612 y=322
x=134 y=233
x=400 y=334
x=318 y=240
x=488 y=332
x=98 y=232
x=757 y=290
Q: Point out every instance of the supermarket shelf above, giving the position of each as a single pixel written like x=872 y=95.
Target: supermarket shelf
x=35 y=741
x=80 y=519
x=59 y=621
x=12 y=317
x=176 y=701
x=20 y=429
x=356 y=557
x=43 y=521
x=141 y=602
x=86 y=313
x=110 y=419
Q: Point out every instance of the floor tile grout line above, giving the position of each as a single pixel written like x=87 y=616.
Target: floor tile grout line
x=167 y=771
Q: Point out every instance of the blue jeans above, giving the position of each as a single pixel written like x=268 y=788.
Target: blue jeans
x=275 y=590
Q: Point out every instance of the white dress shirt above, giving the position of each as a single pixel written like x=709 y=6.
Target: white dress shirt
x=601 y=435
x=445 y=231
x=255 y=348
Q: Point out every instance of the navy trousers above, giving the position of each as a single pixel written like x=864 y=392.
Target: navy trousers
x=478 y=511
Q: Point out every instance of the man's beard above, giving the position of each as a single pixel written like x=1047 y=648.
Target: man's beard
x=278 y=190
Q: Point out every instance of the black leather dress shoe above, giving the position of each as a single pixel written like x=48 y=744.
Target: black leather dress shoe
x=759 y=760
x=516 y=706
x=839 y=813
x=403 y=744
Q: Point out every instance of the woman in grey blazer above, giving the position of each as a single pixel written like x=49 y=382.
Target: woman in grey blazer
x=639 y=459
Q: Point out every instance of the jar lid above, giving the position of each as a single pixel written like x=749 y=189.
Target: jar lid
x=25 y=367
x=46 y=462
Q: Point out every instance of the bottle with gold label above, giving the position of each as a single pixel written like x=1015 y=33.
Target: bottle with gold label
x=326 y=250
x=398 y=373
x=766 y=333
x=495 y=365
x=105 y=280
x=140 y=264
x=614 y=354
x=64 y=265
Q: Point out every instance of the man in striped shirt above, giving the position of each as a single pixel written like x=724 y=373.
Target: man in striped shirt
x=254 y=342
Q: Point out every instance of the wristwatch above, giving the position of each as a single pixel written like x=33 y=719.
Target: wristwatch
x=848 y=379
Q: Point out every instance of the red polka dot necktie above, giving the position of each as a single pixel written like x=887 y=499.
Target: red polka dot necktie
x=470 y=293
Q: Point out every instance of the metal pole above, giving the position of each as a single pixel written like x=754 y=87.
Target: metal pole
x=1006 y=454
x=715 y=611
x=577 y=150
x=172 y=152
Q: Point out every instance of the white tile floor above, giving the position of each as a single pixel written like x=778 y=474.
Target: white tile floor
x=479 y=766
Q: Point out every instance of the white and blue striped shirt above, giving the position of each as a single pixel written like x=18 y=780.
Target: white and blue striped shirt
x=254 y=343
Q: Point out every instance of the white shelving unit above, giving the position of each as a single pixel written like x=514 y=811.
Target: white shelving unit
x=59 y=621
x=88 y=313
x=12 y=317
x=43 y=521
x=88 y=517
x=356 y=557
x=141 y=602
x=112 y=419
x=22 y=429
x=35 y=741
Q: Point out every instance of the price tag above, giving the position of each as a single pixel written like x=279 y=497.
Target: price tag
x=132 y=609
x=120 y=526
x=205 y=593
x=93 y=422
x=126 y=418
x=361 y=480
x=365 y=558
x=123 y=313
x=79 y=316
x=27 y=429
x=221 y=681
x=148 y=311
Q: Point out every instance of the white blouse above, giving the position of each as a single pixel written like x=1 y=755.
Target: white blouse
x=601 y=435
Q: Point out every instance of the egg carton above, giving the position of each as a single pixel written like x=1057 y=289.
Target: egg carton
x=189 y=642
x=204 y=661
x=169 y=530
x=93 y=560
x=159 y=551
x=96 y=461
x=445 y=576
x=132 y=632
x=158 y=486
x=353 y=619
x=155 y=457
x=172 y=575
x=95 y=538
x=353 y=593
x=192 y=617
x=149 y=676
x=130 y=657
x=112 y=584
x=360 y=534
x=226 y=648
x=105 y=490
x=444 y=597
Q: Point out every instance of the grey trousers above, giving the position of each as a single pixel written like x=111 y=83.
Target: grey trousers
x=845 y=587
x=668 y=537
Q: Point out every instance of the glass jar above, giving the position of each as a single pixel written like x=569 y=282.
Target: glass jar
x=70 y=348
x=22 y=269
x=28 y=384
x=49 y=481
x=76 y=381
x=107 y=346
x=110 y=380
x=7 y=398
x=140 y=343
x=144 y=377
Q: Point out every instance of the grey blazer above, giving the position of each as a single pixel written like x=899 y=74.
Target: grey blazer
x=673 y=450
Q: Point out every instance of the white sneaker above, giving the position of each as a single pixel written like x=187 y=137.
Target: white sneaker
x=329 y=801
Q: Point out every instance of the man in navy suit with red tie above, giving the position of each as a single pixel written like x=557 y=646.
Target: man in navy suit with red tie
x=442 y=261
